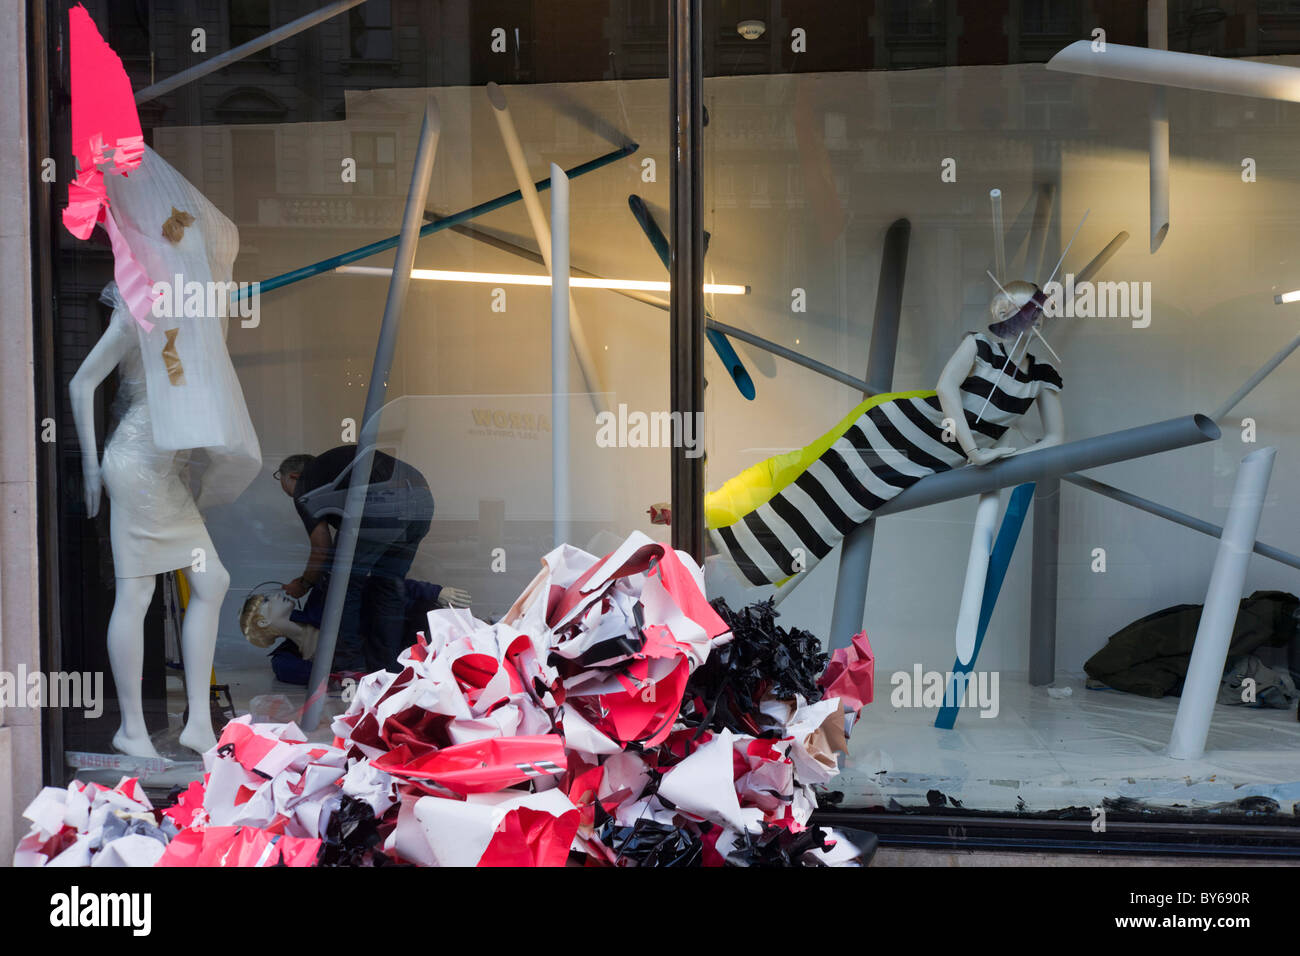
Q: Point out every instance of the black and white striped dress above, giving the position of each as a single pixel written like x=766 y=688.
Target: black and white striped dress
x=893 y=443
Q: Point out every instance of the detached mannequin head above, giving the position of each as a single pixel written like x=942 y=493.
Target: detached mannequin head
x=1016 y=308
x=290 y=471
x=264 y=618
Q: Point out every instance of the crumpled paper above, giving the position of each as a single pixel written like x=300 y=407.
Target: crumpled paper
x=612 y=717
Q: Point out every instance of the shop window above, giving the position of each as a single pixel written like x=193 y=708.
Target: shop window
x=376 y=156
x=249 y=19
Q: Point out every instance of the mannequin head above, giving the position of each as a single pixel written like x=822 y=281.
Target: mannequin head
x=290 y=471
x=1016 y=308
x=264 y=618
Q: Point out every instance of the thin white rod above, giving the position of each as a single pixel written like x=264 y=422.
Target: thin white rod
x=1067 y=247
x=989 y=396
x=1255 y=379
x=1158 y=130
x=222 y=60
x=1047 y=345
x=999 y=234
x=1214 y=633
x=560 y=325
x=537 y=219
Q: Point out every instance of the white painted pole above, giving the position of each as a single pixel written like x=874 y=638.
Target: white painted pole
x=1158 y=129
x=1188 y=71
x=1249 y=385
x=537 y=219
x=559 y=265
x=999 y=236
x=977 y=571
x=1227 y=580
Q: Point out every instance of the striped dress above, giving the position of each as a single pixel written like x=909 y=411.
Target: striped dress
x=786 y=513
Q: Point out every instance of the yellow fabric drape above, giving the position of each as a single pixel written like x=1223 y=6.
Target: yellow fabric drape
x=758 y=483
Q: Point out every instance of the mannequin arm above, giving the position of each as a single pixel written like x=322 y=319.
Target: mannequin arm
x=949 y=391
x=1053 y=416
x=103 y=358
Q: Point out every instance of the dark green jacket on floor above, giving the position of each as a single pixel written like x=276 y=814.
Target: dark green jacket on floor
x=1150 y=656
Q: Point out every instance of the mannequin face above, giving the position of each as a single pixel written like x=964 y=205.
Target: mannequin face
x=287 y=482
x=1012 y=311
x=276 y=610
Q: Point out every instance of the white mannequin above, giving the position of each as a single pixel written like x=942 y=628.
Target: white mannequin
x=120 y=346
x=986 y=513
x=178 y=391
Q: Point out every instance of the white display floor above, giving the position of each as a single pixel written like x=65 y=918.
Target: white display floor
x=1043 y=753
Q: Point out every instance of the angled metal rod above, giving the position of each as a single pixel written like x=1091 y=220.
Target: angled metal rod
x=364 y=252
x=1249 y=386
x=222 y=60
x=730 y=360
x=1177 y=517
x=345 y=542
x=850 y=601
x=1049 y=462
x=1101 y=258
x=587 y=365
x=711 y=324
x=1038 y=231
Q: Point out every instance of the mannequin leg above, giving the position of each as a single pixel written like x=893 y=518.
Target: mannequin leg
x=977 y=569
x=198 y=644
x=126 y=658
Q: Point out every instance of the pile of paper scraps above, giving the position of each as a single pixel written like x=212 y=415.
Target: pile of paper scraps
x=612 y=717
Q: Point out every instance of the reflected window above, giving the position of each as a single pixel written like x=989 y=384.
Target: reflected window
x=128 y=27
x=370 y=30
x=249 y=19
x=376 y=156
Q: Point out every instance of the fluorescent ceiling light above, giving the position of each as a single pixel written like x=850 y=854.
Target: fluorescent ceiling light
x=1286 y=297
x=1190 y=71
x=509 y=278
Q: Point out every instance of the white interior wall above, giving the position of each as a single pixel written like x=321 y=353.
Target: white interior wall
x=883 y=136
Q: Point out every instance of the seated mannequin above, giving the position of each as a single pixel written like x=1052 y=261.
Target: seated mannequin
x=778 y=518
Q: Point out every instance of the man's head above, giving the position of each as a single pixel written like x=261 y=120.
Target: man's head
x=290 y=471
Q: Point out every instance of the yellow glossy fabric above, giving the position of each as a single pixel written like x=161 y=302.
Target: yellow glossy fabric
x=758 y=483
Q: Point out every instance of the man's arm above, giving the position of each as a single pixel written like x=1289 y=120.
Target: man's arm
x=322 y=547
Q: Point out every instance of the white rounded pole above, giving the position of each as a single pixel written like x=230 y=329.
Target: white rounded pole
x=1227 y=580
x=559 y=265
x=1158 y=129
x=977 y=571
x=999 y=236
x=537 y=219
x=1188 y=71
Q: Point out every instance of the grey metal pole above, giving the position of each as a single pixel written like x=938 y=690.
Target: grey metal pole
x=1177 y=517
x=1053 y=462
x=376 y=392
x=1222 y=599
x=244 y=49
x=767 y=345
x=686 y=269
x=1043 y=582
x=560 y=354
x=850 y=601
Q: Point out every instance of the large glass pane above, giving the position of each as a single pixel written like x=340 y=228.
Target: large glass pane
x=851 y=148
